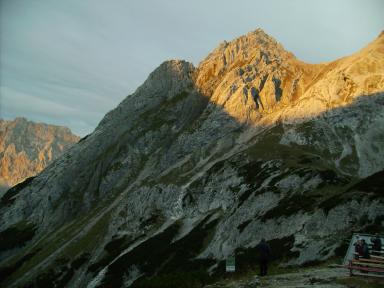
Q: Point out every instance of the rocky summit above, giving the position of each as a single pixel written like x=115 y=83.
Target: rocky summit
x=26 y=148
x=199 y=164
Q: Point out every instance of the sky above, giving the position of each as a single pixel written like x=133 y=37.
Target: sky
x=70 y=62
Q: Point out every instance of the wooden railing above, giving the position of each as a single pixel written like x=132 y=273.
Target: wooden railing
x=373 y=266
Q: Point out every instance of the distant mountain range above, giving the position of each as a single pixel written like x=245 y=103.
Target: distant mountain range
x=26 y=148
x=199 y=164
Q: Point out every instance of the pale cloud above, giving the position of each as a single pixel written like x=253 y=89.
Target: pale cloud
x=81 y=58
x=48 y=111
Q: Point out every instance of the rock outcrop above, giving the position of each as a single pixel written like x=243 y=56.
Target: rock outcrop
x=26 y=148
x=201 y=163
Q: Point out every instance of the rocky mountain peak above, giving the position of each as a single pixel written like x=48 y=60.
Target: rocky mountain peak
x=254 y=40
x=172 y=70
x=176 y=66
x=254 y=47
x=171 y=76
x=199 y=164
x=168 y=80
x=27 y=147
x=253 y=75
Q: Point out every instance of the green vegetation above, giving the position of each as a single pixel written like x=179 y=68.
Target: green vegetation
x=153 y=119
x=372 y=185
x=336 y=199
x=112 y=250
x=290 y=205
x=192 y=279
x=5 y=271
x=61 y=271
x=89 y=241
x=9 y=197
x=60 y=274
x=175 y=176
x=165 y=262
x=44 y=248
x=151 y=250
x=16 y=235
x=243 y=225
x=178 y=97
x=115 y=166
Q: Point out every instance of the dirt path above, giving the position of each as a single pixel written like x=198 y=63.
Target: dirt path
x=308 y=278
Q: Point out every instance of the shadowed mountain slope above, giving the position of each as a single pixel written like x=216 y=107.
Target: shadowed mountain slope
x=200 y=163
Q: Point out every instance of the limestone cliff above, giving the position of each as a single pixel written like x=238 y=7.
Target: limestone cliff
x=26 y=148
x=253 y=75
x=201 y=163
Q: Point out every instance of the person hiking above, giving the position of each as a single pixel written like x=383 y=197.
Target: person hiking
x=265 y=254
x=376 y=245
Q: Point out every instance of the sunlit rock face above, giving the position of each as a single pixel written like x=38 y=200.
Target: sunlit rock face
x=26 y=148
x=253 y=75
x=201 y=163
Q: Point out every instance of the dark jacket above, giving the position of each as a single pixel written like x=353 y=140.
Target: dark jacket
x=365 y=250
x=376 y=243
x=264 y=250
x=358 y=249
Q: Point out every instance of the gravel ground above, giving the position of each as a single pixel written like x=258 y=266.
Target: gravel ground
x=314 y=278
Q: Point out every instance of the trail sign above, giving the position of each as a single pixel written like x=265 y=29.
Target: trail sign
x=230 y=265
